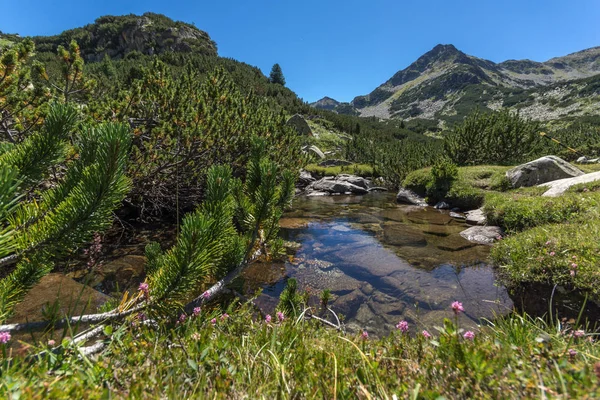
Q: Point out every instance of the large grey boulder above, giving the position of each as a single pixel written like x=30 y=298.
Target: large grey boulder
x=353 y=179
x=407 y=196
x=542 y=170
x=334 y=186
x=482 y=234
x=298 y=122
x=304 y=179
x=556 y=188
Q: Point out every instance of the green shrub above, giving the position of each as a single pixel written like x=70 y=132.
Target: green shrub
x=443 y=174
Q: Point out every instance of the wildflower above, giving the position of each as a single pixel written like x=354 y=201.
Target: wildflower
x=141 y=316
x=365 y=335
x=457 y=307
x=552 y=254
x=574 y=257
x=206 y=295
x=469 y=335
x=548 y=242
x=182 y=318
x=268 y=319
x=4 y=337
x=224 y=317
x=197 y=311
x=574 y=266
x=572 y=273
x=51 y=342
x=280 y=316
x=579 y=333
x=144 y=288
x=213 y=321
x=572 y=353
x=403 y=326
x=196 y=336
x=426 y=334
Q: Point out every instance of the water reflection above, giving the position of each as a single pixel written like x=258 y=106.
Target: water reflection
x=383 y=262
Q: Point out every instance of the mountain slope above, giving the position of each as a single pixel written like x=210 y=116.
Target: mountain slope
x=445 y=84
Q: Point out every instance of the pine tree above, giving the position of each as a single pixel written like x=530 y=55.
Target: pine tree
x=276 y=75
x=37 y=231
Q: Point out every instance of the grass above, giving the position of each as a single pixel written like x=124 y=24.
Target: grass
x=354 y=169
x=467 y=192
x=242 y=357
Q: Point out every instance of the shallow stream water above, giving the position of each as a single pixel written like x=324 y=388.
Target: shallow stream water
x=383 y=262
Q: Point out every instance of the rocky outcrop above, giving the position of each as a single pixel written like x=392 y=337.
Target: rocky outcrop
x=304 y=179
x=482 y=234
x=556 y=188
x=542 y=170
x=298 y=122
x=407 y=196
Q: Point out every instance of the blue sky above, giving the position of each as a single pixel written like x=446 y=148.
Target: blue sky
x=345 y=48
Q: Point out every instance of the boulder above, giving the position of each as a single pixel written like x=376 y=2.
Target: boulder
x=298 y=122
x=476 y=217
x=542 y=170
x=353 y=179
x=304 y=179
x=335 y=186
x=585 y=160
x=482 y=234
x=407 y=196
x=556 y=188
x=334 y=163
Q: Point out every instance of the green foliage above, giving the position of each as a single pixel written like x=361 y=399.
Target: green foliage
x=354 y=169
x=290 y=301
x=34 y=234
x=276 y=75
x=234 y=220
x=502 y=138
x=443 y=173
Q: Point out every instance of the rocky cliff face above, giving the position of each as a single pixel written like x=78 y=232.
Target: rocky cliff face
x=445 y=84
x=119 y=36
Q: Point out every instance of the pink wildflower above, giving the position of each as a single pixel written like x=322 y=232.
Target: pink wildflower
x=144 y=287
x=268 y=319
x=579 y=333
x=426 y=334
x=469 y=335
x=574 y=266
x=197 y=311
x=206 y=295
x=224 y=317
x=4 y=337
x=213 y=321
x=280 y=316
x=552 y=254
x=572 y=273
x=572 y=352
x=182 y=318
x=548 y=242
x=51 y=342
x=457 y=307
x=365 y=335
x=574 y=257
x=402 y=326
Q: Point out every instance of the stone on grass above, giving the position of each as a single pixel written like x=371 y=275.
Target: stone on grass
x=556 y=188
x=542 y=170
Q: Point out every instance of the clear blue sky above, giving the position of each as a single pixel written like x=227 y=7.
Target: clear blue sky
x=344 y=48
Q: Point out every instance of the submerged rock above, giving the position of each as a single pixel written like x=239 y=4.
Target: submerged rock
x=442 y=205
x=542 y=170
x=482 y=234
x=338 y=185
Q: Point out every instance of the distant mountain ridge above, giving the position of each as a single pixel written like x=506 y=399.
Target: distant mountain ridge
x=444 y=84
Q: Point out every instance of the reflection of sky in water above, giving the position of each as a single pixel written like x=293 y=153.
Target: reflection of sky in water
x=383 y=262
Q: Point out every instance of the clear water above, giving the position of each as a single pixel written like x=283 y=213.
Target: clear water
x=383 y=262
